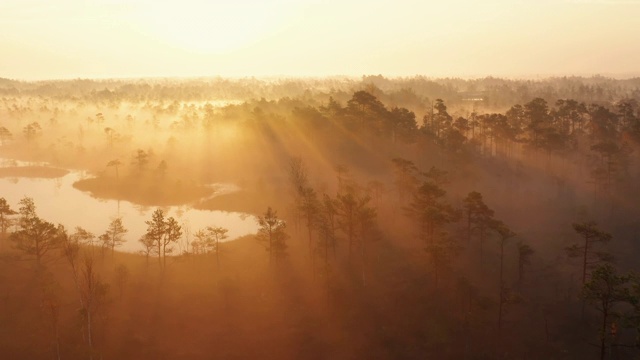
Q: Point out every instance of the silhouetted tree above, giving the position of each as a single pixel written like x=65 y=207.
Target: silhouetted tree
x=202 y=242
x=148 y=246
x=590 y=256
x=603 y=123
x=111 y=135
x=471 y=206
x=403 y=124
x=310 y=117
x=217 y=234
x=50 y=305
x=406 y=178
x=309 y=208
x=113 y=236
x=613 y=160
x=5 y=213
x=71 y=251
x=605 y=290
x=140 y=159
x=524 y=254
x=439 y=121
x=299 y=182
x=365 y=111
x=35 y=236
x=538 y=121
x=351 y=209
x=517 y=119
x=155 y=232
x=376 y=189
x=571 y=114
x=172 y=233
x=363 y=101
x=272 y=234
x=332 y=109
x=31 y=131
x=327 y=228
x=5 y=135
x=116 y=165
x=93 y=292
x=430 y=211
x=626 y=110
x=441 y=250
x=504 y=234
x=82 y=237
x=633 y=317
x=344 y=178
x=479 y=218
x=366 y=230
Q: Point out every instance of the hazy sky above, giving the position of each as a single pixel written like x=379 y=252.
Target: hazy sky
x=47 y=39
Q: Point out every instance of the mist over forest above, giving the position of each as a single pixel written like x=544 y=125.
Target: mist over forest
x=320 y=218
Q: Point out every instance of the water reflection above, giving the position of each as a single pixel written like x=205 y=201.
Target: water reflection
x=57 y=201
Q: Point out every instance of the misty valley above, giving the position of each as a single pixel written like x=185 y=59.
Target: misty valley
x=320 y=218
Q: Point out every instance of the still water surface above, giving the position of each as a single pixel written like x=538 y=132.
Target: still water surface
x=57 y=201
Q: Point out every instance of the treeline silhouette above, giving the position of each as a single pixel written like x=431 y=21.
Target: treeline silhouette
x=468 y=225
x=497 y=92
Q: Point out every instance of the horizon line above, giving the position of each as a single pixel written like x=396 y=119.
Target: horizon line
x=612 y=76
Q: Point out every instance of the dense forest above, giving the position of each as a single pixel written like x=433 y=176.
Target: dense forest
x=397 y=218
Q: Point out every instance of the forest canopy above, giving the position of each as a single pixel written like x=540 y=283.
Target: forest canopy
x=394 y=218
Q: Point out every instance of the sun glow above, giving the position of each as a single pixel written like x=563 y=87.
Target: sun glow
x=205 y=27
x=165 y=38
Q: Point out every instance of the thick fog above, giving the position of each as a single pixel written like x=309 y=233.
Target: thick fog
x=319 y=218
